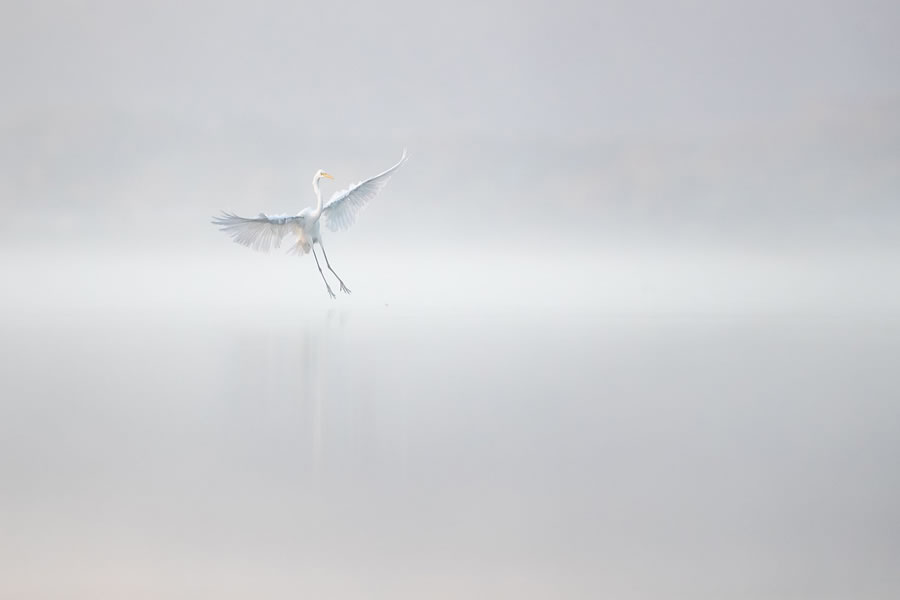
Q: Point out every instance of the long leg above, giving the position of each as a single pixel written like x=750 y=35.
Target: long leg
x=344 y=288
x=328 y=287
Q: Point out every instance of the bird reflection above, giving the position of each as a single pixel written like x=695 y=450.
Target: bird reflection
x=283 y=378
x=312 y=399
x=311 y=396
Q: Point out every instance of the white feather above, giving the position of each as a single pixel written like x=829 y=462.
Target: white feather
x=340 y=212
x=262 y=233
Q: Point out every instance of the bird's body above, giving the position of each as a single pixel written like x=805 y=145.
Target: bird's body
x=267 y=231
x=307 y=231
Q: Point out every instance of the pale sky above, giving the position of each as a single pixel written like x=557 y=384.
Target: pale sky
x=498 y=67
x=643 y=109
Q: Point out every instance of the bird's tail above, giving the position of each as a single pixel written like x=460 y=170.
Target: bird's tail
x=300 y=248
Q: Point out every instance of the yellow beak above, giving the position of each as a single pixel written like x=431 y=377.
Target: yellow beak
x=327 y=175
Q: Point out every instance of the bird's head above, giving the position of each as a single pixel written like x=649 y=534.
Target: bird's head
x=320 y=174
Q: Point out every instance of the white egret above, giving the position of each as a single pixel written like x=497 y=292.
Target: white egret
x=266 y=231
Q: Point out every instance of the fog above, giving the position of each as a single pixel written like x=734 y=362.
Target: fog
x=546 y=122
x=624 y=325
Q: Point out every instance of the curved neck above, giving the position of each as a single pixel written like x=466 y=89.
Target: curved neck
x=318 y=210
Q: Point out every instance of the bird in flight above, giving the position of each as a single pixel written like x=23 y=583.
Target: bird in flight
x=266 y=231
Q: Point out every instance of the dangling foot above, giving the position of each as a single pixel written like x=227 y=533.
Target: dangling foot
x=330 y=293
x=344 y=288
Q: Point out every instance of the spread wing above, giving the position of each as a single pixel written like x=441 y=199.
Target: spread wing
x=341 y=210
x=261 y=233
